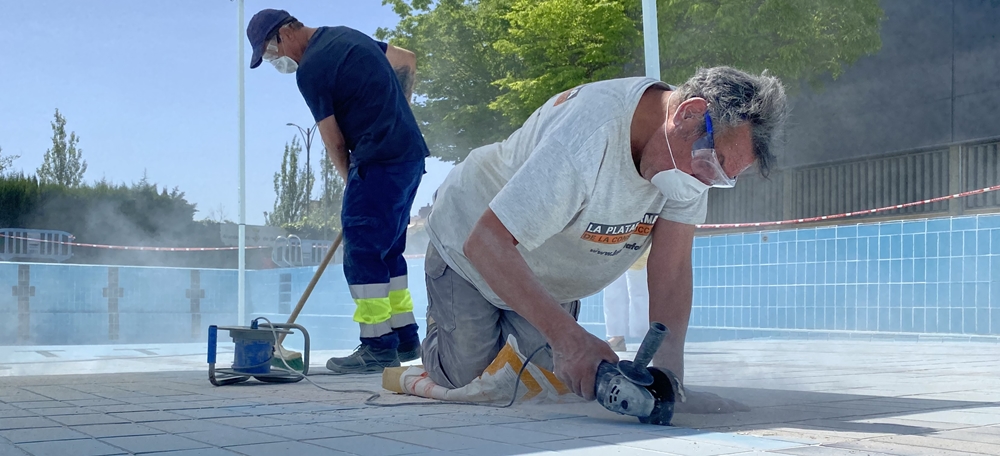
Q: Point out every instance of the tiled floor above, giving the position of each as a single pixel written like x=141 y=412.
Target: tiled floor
x=806 y=398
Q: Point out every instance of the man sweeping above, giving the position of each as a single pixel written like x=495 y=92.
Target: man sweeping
x=358 y=90
x=524 y=228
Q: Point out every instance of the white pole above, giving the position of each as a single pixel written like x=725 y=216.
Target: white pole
x=241 y=313
x=650 y=38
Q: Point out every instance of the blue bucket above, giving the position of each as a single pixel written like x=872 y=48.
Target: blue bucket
x=253 y=356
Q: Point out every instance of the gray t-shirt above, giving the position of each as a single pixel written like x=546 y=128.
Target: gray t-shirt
x=566 y=186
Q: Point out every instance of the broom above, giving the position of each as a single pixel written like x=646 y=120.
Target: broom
x=293 y=358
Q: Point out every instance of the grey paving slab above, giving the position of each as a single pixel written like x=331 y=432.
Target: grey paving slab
x=670 y=445
x=865 y=446
x=368 y=445
x=87 y=447
x=304 y=431
x=505 y=449
x=196 y=452
x=975 y=447
x=141 y=417
x=185 y=426
x=153 y=443
x=437 y=440
x=202 y=413
x=283 y=448
x=91 y=418
x=581 y=447
x=41 y=435
x=117 y=430
x=233 y=437
x=248 y=421
x=15 y=412
x=373 y=426
x=8 y=449
x=26 y=422
x=825 y=451
x=502 y=434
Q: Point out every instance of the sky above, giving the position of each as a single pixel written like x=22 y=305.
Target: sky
x=152 y=87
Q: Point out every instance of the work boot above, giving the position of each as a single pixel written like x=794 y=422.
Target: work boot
x=409 y=343
x=365 y=360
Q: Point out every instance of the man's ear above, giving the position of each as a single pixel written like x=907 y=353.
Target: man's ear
x=690 y=115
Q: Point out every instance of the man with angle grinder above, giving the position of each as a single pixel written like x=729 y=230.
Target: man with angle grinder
x=358 y=90
x=524 y=228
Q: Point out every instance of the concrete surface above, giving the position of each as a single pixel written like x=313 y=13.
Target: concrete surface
x=844 y=397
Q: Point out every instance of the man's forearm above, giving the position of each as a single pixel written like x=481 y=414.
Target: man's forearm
x=406 y=75
x=339 y=159
x=670 y=304
x=493 y=252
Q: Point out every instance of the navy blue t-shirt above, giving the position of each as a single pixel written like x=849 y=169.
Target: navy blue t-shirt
x=345 y=73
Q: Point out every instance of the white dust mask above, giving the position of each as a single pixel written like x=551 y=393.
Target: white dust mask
x=676 y=184
x=284 y=64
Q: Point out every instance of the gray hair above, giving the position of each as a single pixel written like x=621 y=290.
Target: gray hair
x=735 y=98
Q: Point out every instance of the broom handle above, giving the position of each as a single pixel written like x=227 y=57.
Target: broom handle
x=312 y=283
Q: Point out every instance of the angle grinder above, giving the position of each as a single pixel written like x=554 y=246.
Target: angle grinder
x=634 y=389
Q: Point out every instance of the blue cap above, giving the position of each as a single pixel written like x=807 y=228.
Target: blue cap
x=260 y=28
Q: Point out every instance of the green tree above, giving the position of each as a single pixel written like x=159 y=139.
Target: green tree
x=289 y=188
x=323 y=220
x=5 y=162
x=485 y=65
x=63 y=163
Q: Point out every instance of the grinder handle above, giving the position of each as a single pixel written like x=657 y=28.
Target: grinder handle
x=650 y=344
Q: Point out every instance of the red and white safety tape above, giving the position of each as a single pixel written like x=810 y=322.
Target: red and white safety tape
x=848 y=214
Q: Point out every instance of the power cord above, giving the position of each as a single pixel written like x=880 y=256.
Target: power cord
x=375 y=395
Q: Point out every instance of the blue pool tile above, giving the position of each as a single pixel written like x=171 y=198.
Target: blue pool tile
x=944 y=270
x=800 y=251
x=786 y=235
x=907 y=271
x=932 y=245
x=895 y=246
x=862 y=248
x=826 y=233
x=969 y=269
x=906 y=298
x=831 y=250
x=841 y=249
x=850 y=231
x=988 y=221
x=873 y=248
x=919 y=298
x=919 y=320
x=920 y=246
x=821 y=251
x=969 y=321
x=751 y=238
x=931 y=320
x=906 y=317
x=884 y=247
x=930 y=295
x=957 y=243
x=944 y=296
x=908 y=246
x=982 y=321
x=913 y=227
x=862 y=271
x=890 y=228
x=717 y=240
x=734 y=239
x=895 y=271
x=956 y=269
x=944 y=244
x=970 y=243
x=956 y=296
x=868 y=230
x=968 y=294
x=810 y=251
x=936 y=225
x=895 y=320
x=995 y=321
x=852 y=272
x=963 y=223
x=702 y=241
x=995 y=274
x=982 y=296
x=783 y=253
x=806 y=234
x=982 y=242
x=919 y=270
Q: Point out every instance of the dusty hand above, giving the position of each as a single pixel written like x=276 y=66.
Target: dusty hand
x=699 y=402
x=575 y=359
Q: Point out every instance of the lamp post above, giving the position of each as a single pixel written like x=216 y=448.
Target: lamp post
x=307 y=134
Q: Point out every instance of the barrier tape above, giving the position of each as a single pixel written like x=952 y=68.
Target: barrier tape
x=848 y=214
x=126 y=247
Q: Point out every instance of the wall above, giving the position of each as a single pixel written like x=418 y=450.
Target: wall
x=937 y=276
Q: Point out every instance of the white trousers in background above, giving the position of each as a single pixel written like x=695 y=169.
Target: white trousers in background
x=626 y=305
